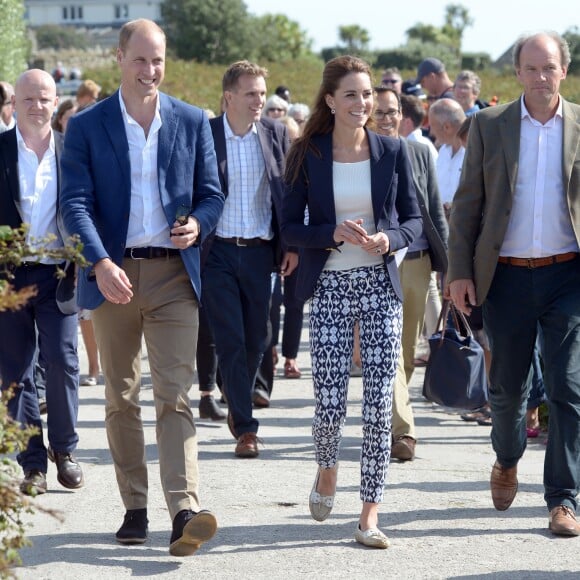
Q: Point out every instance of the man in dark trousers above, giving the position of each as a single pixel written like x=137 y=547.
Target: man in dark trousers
x=246 y=248
x=29 y=184
x=514 y=247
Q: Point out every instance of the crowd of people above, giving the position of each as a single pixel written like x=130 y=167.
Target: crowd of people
x=371 y=204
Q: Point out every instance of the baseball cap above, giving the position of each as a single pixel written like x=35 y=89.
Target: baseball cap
x=428 y=66
x=413 y=88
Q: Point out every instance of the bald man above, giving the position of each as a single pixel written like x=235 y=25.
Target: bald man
x=29 y=182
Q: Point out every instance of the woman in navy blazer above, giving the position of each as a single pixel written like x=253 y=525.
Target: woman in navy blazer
x=357 y=189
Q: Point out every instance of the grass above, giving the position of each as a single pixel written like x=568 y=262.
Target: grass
x=200 y=84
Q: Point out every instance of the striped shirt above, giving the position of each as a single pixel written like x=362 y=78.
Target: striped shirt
x=248 y=208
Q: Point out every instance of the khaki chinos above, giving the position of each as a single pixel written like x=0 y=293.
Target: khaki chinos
x=415 y=274
x=164 y=311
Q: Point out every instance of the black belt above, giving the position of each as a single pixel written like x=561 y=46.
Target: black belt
x=416 y=255
x=243 y=242
x=150 y=252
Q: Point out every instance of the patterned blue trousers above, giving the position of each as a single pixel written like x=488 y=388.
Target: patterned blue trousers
x=340 y=299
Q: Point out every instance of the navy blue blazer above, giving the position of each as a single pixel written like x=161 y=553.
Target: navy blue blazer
x=96 y=182
x=391 y=188
x=274 y=142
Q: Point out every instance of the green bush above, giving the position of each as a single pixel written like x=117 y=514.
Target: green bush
x=60 y=37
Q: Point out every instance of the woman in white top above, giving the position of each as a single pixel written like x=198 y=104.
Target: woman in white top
x=354 y=183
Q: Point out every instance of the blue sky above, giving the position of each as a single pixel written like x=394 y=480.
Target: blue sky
x=497 y=22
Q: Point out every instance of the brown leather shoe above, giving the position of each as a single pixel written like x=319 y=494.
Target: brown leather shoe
x=563 y=522
x=403 y=448
x=34 y=482
x=69 y=472
x=247 y=445
x=504 y=486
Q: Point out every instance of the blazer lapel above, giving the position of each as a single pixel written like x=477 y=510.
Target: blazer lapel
x=265 y=138
x=219 y=139
x=571 y=141
x=12 y=176
x=114 y=127
x=510 y=141
x=58 y=145
x=320 y=172
x=166 y=143
x=379 y=184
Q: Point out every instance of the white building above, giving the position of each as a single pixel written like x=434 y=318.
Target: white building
x=90 y=13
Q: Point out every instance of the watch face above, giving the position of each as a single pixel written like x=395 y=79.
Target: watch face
x=182 y=214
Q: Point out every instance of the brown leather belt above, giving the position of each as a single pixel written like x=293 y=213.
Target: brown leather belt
x=150 y=252
x=244 y=242
x=537 y=262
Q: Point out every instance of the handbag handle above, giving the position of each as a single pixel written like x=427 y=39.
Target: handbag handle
x=458 y=317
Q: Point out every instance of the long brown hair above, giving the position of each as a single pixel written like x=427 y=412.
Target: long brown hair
x=321 y=120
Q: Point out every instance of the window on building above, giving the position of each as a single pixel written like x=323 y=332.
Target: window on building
x=121 y=11
x=72 y=12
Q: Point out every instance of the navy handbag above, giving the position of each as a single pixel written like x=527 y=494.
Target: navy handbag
x=455 y=375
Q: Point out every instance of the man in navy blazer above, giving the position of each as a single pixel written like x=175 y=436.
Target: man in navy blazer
x=140 y=188
x=246 y=247
x=29 y=182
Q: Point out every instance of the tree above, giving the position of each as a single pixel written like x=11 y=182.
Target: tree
x=426 y=34
x=572 y=36
x=212 y=31
x=457 y=19
x=278 y=38
x=450 y=35
x=60 y=37
x=355 y=39
x=14 y=45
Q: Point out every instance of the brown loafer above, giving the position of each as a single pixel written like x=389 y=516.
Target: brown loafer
x=247 y=445
x=403 y=448
x=563 y=522
x=504 y=486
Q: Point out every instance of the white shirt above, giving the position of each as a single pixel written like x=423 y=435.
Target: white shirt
x=353 y=200
x=5 y=127
x=540 y=223
x=247 y=210
x=38 y=183
x=449 y=171
x=148 y=225
x=417 y=135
